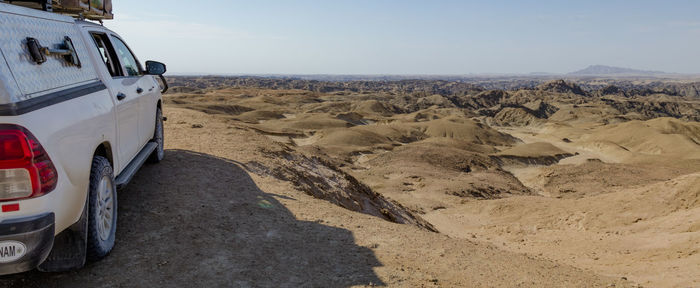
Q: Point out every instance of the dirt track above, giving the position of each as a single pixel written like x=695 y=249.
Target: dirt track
x=200 y=218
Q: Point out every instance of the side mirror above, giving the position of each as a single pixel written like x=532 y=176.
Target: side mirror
x=155 y=68
x=158 y=69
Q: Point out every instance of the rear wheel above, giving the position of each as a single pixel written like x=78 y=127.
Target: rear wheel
x=159 y=153
x=102 y=213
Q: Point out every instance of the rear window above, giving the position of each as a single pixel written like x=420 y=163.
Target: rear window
x=106 y=53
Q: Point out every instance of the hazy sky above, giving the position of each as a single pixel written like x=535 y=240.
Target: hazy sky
x=410 y=37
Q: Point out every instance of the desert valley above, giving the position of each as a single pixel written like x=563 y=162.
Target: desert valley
x=588 y=182
x=604 y=178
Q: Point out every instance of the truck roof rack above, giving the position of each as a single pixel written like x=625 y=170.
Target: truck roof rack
x=81 y=9
x=46 y=5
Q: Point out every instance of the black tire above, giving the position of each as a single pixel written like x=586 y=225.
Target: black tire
x=100 y=239
x=159 y=153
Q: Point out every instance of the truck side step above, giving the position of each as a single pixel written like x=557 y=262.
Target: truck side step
x=134 y=165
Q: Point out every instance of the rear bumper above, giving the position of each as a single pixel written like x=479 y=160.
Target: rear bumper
x=36 y=233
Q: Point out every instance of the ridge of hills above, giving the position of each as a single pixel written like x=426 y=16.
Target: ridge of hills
x=688 y=88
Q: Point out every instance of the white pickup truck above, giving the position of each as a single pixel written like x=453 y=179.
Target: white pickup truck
x=79 y=116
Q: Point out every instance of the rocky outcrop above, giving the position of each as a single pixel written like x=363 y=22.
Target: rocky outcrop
x=481 y=100
x=515 y=116
x=611 y=90
x=541 y=109
x=561 y=86
x=545 y=160
x=655 y=109
x=323 y=180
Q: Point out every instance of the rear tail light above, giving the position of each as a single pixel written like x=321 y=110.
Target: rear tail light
x=26 y=171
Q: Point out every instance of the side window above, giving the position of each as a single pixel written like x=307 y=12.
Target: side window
x=107 y=54
x=131 y=66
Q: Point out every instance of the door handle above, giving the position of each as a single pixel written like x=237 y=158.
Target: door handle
x=121 y=96
x=139 y=90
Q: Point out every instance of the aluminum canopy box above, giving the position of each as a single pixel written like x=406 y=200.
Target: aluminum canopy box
x=89 y=9
x=21 y=78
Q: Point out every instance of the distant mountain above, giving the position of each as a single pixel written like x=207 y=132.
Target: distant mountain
x=609 y=70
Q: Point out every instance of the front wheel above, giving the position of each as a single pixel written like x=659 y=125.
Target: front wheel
x=159 y=153
x=102 y=209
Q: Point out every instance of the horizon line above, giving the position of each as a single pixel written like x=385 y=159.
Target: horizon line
x=533 y=74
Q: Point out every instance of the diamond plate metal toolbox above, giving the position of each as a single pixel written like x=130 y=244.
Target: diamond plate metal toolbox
x=20 y=77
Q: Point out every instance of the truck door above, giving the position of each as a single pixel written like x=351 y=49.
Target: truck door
x=123 y=83
x=146 y=89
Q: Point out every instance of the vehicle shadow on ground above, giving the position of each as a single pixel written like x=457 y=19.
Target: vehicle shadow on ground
x=196 y=219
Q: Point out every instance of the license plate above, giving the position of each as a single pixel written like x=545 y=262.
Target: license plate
x=11 y=251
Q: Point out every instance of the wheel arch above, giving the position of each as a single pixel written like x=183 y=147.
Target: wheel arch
x=105 y=150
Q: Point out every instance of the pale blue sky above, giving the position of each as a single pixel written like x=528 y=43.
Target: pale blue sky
x=410 y=37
